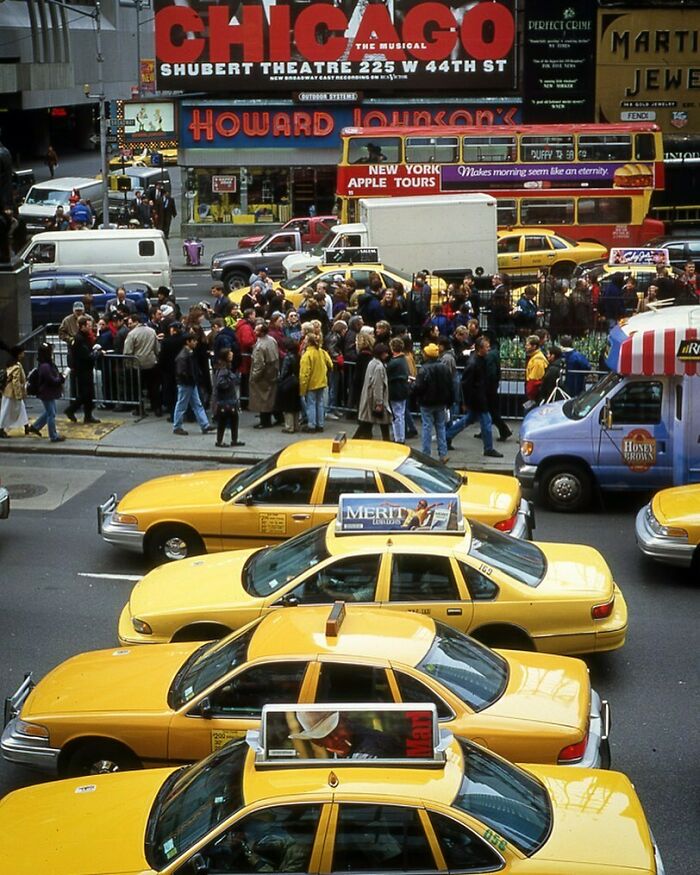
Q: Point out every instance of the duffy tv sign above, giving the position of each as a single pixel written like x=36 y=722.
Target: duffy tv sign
x=263 y=45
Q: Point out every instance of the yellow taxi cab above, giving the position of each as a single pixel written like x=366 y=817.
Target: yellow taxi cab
x=359 y=788
x=181 y=515
x=527 y=250
x=668 y=528
x=639 y=263
x=141 y=158
x=506 y=592
x=93 y=713
x=296 y=289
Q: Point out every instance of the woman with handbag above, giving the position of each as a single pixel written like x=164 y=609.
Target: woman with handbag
x=288 y=400
x=13 y=413
x=49 y=389
x=226 y=397
x=374 y=408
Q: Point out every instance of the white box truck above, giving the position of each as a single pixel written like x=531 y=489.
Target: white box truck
x=434 y=232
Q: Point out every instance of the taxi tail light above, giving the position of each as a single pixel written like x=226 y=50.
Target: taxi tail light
x=507 y=525
x=573 y=753
x=601 y=612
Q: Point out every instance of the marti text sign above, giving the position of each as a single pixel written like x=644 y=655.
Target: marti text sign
x=273 y=45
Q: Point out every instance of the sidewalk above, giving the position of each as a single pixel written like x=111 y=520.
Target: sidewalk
x=121 y=434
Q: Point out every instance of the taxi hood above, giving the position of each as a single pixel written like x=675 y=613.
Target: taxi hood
x=181 y=491
x=109 y=680
x=678 y=506
x=489 y=498
x=545 y=421
x=598 y=820
x=53 y=827
x=575 y=571
x=170 y=588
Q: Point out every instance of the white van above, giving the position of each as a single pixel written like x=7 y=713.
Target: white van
x=43 y=198
x=122 y=255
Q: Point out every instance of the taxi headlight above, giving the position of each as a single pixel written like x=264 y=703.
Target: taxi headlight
x=527 y=448
x=31 y=730
x=141 y=627
x=124 y=519
x=663 y=531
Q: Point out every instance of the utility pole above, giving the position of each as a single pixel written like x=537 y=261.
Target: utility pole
x=138 y=5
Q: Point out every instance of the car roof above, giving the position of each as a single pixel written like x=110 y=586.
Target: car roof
x=67 y=272
x=66 y=182
x=540 y=232
x=406 y=638
x=355 y=453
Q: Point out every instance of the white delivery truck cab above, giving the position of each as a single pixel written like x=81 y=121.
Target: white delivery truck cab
x=638 y=428
x=120 y=255
x=44 y=197
x=351 y=236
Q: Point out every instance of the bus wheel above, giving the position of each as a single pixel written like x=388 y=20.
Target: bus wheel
x=566 y=487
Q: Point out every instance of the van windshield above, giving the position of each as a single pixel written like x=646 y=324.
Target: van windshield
x=581 y=406
x=46 y=197
x=324 y=243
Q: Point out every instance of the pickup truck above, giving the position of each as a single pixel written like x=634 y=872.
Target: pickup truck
x=312 y=229
x=233 y=267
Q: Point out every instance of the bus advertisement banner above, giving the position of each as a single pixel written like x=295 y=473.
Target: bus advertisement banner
x=287 y=45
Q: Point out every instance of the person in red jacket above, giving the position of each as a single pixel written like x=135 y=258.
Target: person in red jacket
x=245 y=332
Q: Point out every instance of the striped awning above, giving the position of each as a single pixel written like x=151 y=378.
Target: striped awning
x=654 y=353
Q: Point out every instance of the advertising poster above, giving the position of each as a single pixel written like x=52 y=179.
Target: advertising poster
x=395 y=512
x=559 y=61
x=639 y=255
x=151 y=120
x=648 y=68
x=279 y=45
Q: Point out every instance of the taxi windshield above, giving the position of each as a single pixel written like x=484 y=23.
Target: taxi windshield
x=580 y=406
x=269 y=569
x=506 y=798
x=471 y=671
x=429 y=475
x=208 y=664
x=516 y=557
x=245 y=478
x=192 y=801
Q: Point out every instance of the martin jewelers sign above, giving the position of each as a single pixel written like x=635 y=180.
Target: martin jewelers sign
x=274 y=45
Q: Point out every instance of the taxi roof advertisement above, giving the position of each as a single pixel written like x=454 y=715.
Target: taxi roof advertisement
x=274 y=45
x=395 y=512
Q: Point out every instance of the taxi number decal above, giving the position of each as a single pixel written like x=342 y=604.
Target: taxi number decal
x=495 y=840
x=486 y=569
x=220 y=737
x=273 y=523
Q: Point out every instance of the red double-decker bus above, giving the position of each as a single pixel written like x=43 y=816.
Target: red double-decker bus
x=590 y=181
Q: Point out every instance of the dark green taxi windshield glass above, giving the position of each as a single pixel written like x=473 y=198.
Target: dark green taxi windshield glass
x=471 y=671
x=270 y=569
x=193 y=801
x=516 y=557
x=248 y=476
x=429 y=475
x=207 y=665
x=580 y=406
x=505 y=798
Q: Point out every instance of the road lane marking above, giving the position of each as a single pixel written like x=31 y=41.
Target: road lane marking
x=111 y=576
x=185 y=285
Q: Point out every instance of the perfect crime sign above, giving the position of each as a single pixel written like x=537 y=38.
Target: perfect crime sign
x=265 y=45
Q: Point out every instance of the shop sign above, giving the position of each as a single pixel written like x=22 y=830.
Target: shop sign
x=265 y=45
x=222 y=126
x=648 y=61
x=559 y=61
x=639 y=450
x=147 y=68
x=224 y=184
x=689 y=351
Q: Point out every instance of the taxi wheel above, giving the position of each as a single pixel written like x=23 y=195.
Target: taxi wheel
x=563 y=269
x=234 y=280
x=170 y=543
x=100 y=758
x=566 y=487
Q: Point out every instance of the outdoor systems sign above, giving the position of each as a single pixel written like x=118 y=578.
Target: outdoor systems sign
x=275 y=45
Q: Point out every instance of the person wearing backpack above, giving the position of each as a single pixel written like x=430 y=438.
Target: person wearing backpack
x=13 y=413
x=226 y=397
x=46 y=382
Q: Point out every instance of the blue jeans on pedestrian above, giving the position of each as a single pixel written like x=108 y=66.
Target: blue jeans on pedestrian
x=398 y=408
x=47 y=417
x=433 y=416
x=315 y=408
x=484 y=419
x=188 y=396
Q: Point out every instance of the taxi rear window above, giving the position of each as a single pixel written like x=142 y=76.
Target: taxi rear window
x=245 y=478
x=505 y=797
x=518 y=558
x=428 y=474
x=270 y=569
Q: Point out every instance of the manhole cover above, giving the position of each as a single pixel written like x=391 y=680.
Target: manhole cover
x=25 y=490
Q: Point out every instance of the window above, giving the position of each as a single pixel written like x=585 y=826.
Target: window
x=246 y=693
x=605 y=147
x=509 y=245
x=276 y=839
x=244 y=478
x=71 y=285
x=507 y=213
x=361 y=277
x=353 y=683
x=374 y=150
x=413 y=690
x=281 y=243
x=520 y=559
x=547 y=148
x=42 y=253
x=481 y=588
x=348 y=480
x=380 y=838
x=547 y=211
x=147 y=248
x=350 y=580
x=391 y=484
x=484 y=150
x=292 y=486
x=604 y=210
x=638 y=404
x=40 y=286
x=444 y=150
x=462 y=849
x=428 y=474
x=270 y=569
x=536 y=244
x=416 y=578
x=645 y=148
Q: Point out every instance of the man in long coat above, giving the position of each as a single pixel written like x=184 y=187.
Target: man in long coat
x=264 y=371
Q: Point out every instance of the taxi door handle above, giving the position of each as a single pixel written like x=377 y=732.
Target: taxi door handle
x=301 y=516
x=454 y=612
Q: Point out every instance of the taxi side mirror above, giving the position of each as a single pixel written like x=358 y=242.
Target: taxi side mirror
x=205 y=709
x=248 y=500
x=286 y=601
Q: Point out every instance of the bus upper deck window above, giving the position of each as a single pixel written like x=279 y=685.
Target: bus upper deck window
x=605 y=147
x=547 y=148
x=444 y=150
x=507 y=213
x=645 y=149
x=377 y=150
x=478 y=150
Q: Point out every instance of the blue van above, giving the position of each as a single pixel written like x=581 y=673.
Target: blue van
x=638 y=428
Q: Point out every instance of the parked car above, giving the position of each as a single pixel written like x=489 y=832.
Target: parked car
x=53 y=293
x=312 y=229
x=523 y=251
x=680 y=249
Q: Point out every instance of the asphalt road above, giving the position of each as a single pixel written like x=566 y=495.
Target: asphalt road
x=62 y=589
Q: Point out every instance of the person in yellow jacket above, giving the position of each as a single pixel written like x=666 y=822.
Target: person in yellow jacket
x=314 y=368
x=535 y=368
